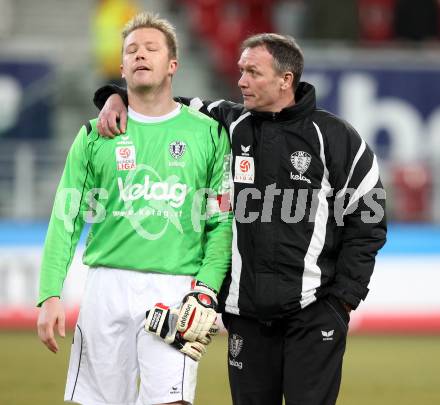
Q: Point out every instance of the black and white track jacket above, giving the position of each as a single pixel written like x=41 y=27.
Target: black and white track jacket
x=308 y=203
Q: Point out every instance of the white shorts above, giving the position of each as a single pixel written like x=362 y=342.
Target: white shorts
x=113 y=360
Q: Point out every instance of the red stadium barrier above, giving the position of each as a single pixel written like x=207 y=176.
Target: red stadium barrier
x=20 y=318
x=417 y=323
x=398 y=324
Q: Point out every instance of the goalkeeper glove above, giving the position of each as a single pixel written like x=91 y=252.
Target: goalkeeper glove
x=198 y=312
x=161 y=321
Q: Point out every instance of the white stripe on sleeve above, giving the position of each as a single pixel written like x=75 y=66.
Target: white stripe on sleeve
x=231 y=304
x=214 y=104
x=312 y=273
x=236 y=122
x=353 y=166
x=196 y=104
x=367 y=183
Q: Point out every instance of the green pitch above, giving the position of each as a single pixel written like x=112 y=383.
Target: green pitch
x=377 y=370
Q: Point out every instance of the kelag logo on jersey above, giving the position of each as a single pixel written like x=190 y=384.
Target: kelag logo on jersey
x=161 y=199
x=174 y=194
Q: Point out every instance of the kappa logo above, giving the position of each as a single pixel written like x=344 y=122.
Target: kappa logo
x=177 y=149
x=235 y=345
x=327 y=335
x=301 y=162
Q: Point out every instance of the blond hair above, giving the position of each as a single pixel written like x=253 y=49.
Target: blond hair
x=149 y=20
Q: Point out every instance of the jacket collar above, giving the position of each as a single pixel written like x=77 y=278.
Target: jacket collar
x=305 y=104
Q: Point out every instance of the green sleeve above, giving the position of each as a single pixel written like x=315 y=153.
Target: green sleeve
x=218 y=229
x=67 y=219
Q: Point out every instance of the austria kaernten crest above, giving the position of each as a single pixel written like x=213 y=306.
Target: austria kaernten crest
x=235 y=345
x=300 y=161
x=177 y=149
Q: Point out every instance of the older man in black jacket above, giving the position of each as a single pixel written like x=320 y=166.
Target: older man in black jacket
x=309 y=221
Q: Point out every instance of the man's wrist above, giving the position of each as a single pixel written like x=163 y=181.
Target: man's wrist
x=200 y=285
x=48 y=300
x=346 y=306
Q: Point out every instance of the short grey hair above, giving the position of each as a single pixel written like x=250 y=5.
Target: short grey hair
x=286 y=53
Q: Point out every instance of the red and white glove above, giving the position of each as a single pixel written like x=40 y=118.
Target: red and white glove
x=198 y=313
x=162 y=320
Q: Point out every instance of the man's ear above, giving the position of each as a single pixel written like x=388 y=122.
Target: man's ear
x=173 y=66
x=287 y=80
x=121 y=66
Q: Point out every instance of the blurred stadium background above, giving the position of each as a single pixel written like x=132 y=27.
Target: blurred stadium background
x=374 y=62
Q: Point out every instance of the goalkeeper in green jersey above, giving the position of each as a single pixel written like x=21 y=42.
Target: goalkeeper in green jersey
x=159 y=244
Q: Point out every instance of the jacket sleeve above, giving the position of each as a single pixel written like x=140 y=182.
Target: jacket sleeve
x=225 y=112
x=67 y=219
x=104 y=92
x=359 y=209
x=218 y=227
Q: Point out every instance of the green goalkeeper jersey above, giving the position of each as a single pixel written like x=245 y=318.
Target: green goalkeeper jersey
x=156 y=198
